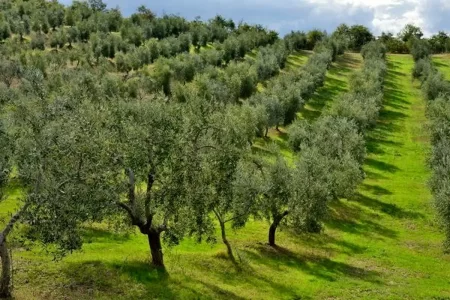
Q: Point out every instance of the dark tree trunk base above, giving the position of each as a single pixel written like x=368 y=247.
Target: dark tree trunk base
x=5 y=280
x=274 y=226
x=154 y=240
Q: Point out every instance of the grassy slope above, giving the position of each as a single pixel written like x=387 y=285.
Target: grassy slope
x=442 y=62
x=381 y=244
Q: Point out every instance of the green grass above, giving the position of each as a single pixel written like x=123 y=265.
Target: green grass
x=381 y=244
x=297 y=59
x=442 y=62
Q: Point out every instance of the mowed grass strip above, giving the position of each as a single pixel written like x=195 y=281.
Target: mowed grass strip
x=381 y=244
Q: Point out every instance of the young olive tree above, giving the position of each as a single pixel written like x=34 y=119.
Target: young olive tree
x=230 y=176
x=277 y=193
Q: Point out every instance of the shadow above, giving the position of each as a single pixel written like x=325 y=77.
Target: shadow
x=312 y=264
x=220 y=292
x=387 y=208
x=297 y=59
x=352 y=219
x=88 y=278
x=439 y=64
x=375 y=189
x=325 y=242
x=380 y=165
x=373 y=175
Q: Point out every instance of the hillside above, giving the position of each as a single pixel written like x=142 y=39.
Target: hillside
x=380 y=244
x=158 y=157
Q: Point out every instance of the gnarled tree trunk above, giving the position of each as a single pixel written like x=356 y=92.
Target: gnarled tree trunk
x=273 y=227
x=5 y=280
x=154 y=240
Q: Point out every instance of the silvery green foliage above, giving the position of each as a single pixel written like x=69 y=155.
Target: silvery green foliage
x=311 y=191
x=6 y=150
x=435 y=85
x=363 y=103
x=9 y=70
x=436 y=90
x=423 y=68
x=59 y=150
x=363 y=110
x=277 y=189
x=439 y=115
x=420 y=49
x=338 y=141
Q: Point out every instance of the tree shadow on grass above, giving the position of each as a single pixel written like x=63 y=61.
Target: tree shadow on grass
x=387 y=208
x=375 y=189
x=352 y=219
x=374 y=175
x=316 y=265
x=439 y=64
x=325 y=242
x=247 y=276
x=95 y=276
x=220 y=292
x=89 y=278
x=381 y=165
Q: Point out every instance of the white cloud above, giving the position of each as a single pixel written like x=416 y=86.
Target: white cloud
x=393 y=15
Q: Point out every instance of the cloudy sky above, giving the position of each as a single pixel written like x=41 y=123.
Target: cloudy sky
x=287 y=15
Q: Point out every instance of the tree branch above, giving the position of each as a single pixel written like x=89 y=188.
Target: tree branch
x=217 y=215
x=131 y=188
x=126 y=208
x=148 y=197
x=11 y=223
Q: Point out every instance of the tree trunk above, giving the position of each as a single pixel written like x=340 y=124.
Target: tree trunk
x=267 y=131
x=273 y=227
x=154 y=240
x=5 y=280
x=226 y=242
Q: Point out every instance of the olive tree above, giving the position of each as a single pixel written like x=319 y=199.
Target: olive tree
x=6 y=151
x=276 y=199
x=229 y=178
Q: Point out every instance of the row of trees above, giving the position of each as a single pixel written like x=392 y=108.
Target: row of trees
x=286 y=94
x=335 y=142
x=436 y=91
x=236 y=46
x=87 y=17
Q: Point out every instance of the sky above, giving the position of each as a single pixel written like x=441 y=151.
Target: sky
x=286 y=15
